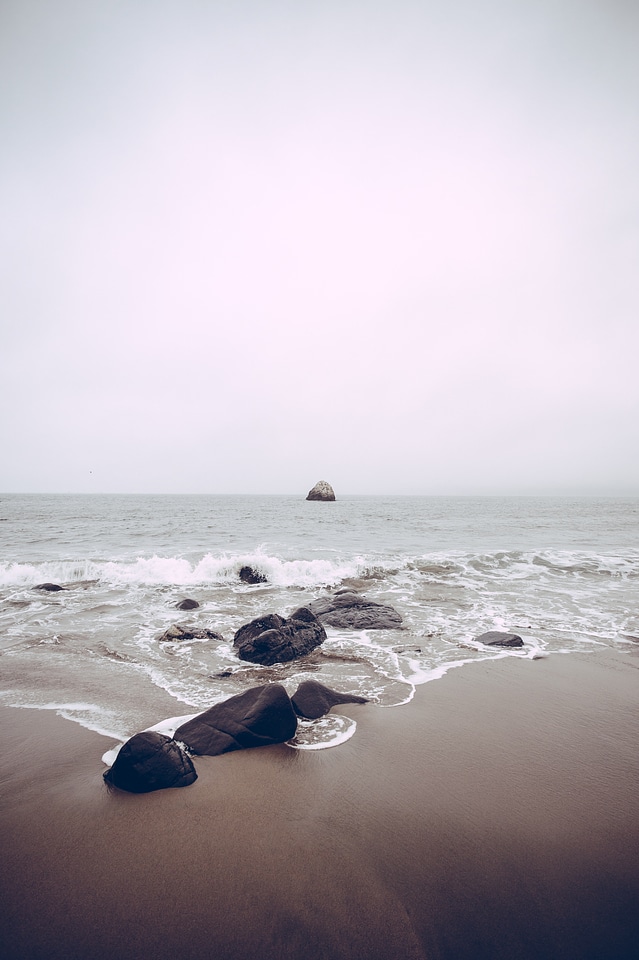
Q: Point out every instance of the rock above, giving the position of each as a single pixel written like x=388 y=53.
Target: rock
x=261 y=716
x=249 y=575
x=187 y=604
x=273 y=639
x=177 y=633
x=321 y=491
x=151 y=761
x=50 y=587
x=312 y=699
x=353 y=611
x=498 y=638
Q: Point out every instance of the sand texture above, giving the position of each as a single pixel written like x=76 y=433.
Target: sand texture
x=495 y=816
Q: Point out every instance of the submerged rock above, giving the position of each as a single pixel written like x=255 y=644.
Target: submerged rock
x=349 y=610
x=260 y=716
x=151 y=761
x=176 y=633
x=312 y=699
x=249 y=575
x=499 y=638
x=187 y=604
x=49 y=587
x=321 y=491
x=273 y=639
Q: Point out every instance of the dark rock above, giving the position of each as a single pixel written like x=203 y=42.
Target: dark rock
x=177 y=633
x=498 y=638
x=313 y=699
x=273 y=639
x=249 y=575
x=151 y=761
x=187 y=604
x=349 y=610
x=261 y=716
x=321 y=491
x=50 y=587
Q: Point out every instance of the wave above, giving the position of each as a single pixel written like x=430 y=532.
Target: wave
x=319 y=572
x=516 y=564
x=209 y=570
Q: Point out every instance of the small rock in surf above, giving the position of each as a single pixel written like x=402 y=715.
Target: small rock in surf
x=249 y=575
x=499 y=638
x=187 y=604
x=177 y=633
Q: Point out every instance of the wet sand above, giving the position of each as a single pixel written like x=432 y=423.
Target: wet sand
x=496 y=816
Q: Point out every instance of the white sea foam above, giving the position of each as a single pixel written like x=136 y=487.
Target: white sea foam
x=180 y=572
x=166 y=727
x=89 y=715
x=170 y=725
x=327 y=731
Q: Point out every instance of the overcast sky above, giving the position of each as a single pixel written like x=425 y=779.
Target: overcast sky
x=248 y=245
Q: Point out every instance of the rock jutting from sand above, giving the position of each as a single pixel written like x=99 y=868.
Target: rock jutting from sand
x=347 y=609
x=177 y=633
x=321 y=491
x=151 y=761
x=256 y=718
x=499 y=638
x=274 y=639
x=312 y=699
x=250 y=575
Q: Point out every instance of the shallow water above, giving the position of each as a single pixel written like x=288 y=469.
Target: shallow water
x=563 y=573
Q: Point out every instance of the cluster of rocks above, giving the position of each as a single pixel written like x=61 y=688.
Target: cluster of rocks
x=275 y=639
x=262 y=715
x=258 y=717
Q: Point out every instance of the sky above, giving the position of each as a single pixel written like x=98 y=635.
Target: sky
x=249 y=244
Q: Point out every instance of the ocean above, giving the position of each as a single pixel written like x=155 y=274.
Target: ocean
x=563 y=573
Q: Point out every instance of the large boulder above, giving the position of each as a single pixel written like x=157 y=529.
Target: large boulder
x=177 y=633
x=151 y=761
x=261 y=716
x=321 y=491
x=273 y=639
x=353 y=611
x=499 y=638
x=312 y=699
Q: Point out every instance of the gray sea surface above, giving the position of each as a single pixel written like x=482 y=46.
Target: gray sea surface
x=561 y=572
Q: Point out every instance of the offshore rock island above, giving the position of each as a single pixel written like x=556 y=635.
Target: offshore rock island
x=321 y=491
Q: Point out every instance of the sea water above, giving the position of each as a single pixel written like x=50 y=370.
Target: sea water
x=562 y=573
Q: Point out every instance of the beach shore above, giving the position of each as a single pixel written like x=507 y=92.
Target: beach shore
x=495 y=816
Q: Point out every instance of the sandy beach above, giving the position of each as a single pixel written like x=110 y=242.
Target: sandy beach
x=495 y=816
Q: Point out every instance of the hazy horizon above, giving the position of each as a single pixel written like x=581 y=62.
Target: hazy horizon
x=345 y=494
x=248 y=246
